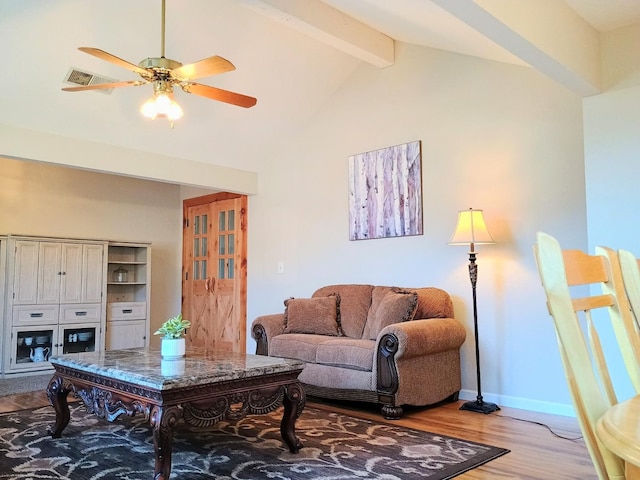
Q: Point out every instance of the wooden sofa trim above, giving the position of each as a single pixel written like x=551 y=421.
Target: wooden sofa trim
x=260 y=336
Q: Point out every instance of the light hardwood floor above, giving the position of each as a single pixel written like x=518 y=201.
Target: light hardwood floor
x=536 y=453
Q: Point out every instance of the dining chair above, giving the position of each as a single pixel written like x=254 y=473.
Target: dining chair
x=625 y=285
x=630 y=267
x=583 y=358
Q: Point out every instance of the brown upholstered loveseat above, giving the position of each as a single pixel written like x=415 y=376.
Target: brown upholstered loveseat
x=370 y=343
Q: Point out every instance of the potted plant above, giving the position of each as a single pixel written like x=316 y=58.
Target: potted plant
x=173 y=341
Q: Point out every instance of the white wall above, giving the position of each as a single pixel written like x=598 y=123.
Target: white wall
x=48 y=200
x=494 y=136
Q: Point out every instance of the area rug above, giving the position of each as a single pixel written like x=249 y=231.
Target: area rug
x=336 y=446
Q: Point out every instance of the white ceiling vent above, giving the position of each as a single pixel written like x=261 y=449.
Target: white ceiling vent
x=78 y=77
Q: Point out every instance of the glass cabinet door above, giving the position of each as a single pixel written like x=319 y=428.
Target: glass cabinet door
x=79 y=338
x=31 y=346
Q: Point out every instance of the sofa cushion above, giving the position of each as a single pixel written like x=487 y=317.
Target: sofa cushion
x=352 y=353
x=312 y=315
x=389 y=305
x=433 y=303
x=300 y=346
x=355 y=301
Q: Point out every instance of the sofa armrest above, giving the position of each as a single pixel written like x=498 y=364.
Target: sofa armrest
x=264 y=328
x=415 y=338
x=427 y=336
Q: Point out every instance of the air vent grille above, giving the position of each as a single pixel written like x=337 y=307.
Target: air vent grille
x=76 y=77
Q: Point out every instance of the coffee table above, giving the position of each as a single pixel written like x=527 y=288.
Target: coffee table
x=201 y=389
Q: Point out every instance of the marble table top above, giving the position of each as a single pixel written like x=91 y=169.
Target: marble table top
x=145 y=367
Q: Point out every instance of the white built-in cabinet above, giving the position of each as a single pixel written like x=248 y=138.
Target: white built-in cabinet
x=65 y=296
x=128 y=295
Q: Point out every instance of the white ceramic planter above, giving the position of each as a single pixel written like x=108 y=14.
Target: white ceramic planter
x=172 y=348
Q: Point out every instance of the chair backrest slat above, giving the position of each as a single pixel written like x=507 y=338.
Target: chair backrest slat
x=630 y=268
x=624 y=323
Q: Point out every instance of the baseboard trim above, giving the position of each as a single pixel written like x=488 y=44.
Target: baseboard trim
x=565 y=410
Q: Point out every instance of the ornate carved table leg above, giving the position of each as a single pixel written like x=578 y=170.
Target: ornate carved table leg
x=294 y=400
x=162 y=420
x=57 y=394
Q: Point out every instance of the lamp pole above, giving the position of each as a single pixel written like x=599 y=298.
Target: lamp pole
x=478 y=405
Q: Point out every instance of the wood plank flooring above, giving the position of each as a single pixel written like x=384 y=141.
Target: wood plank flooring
x=536 y=453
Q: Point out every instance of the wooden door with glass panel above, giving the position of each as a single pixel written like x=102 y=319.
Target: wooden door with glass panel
x=214 y=280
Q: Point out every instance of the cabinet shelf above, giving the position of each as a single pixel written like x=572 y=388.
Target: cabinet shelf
x=117 y=262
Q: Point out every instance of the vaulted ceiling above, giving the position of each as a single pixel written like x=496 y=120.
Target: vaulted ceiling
x=290 y=54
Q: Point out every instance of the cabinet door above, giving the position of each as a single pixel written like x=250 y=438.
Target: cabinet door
x=126 y=334
x=80 y=337
x=92 y=266
x=31 y=347
x=25 y=279
x=71 y=273
x=49 y=272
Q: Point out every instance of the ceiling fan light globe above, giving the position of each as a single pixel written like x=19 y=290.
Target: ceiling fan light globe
x=174 y=112
x=149 y=109
x=163 y=103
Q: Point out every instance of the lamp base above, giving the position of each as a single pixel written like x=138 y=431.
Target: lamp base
x=479 y=406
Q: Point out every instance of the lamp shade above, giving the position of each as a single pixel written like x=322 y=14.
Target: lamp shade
x=471 y=229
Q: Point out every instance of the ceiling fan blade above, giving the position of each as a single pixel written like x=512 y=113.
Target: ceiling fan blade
x=101 y=54
x=202 y=68
x=100 y=86
x=219 y=94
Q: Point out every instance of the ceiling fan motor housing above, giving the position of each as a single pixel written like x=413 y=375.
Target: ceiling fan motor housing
x=160 y=64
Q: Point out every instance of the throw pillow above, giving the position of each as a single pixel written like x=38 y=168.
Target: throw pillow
x=389 y=306
x=318 y=315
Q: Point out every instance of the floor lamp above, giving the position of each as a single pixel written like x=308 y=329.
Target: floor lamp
x=471 y=230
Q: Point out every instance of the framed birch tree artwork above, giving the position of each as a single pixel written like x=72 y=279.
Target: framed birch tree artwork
x=385 y=194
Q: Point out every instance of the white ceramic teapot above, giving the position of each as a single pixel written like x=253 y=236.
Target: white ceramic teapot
x=40 y=354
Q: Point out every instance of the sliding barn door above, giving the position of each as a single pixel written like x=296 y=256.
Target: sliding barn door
x=215 y=271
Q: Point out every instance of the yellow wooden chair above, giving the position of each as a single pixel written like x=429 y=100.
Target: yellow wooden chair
x=625 y=285
x=582 y=356
x=630 y=267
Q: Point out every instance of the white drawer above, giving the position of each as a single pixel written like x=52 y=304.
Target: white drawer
x=80 y=313
x=35 y=314
x=126 y=310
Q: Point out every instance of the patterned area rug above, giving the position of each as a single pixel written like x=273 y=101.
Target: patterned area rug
x=336 y=446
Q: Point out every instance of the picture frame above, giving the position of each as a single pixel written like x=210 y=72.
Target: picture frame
x=385 y=192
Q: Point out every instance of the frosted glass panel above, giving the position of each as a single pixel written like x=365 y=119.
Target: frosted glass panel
x=204 y=224
x=232 y=219
x=221 y=221
x=230 y=268
x=196 y=225
x=196 y=247
x=231 y=239
x=221 y=268
x=204 y=269
x=204 y=246
x=221 y=240
x=196 y=270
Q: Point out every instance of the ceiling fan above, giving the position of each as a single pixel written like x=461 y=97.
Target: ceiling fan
x=165 y=74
